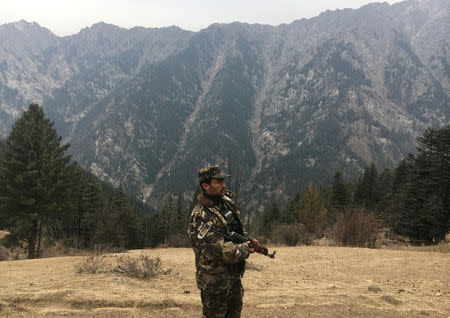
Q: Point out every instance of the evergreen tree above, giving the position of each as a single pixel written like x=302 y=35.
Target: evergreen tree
x=148 y=228
x=270 y=217
x=384 y=209
x=36 y=179
x=179 y=220
x=90 y=202
x=2 y=217
x=340 y=195
x=290 y=214
x=313 y=214
x=426 y=209
x=385 y=183
x=367 y=191
x=434 y=161
x=393 y=199
x=403 y=174
x=158 y=226
x=128 y=229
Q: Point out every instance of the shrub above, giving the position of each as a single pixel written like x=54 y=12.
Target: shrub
x=92 y=265
x=289 y=234
x=142 y=266
x=356 y=228
x=5 y=254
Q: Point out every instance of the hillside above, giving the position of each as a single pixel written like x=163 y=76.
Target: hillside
x=311 y=281
x=289 y=105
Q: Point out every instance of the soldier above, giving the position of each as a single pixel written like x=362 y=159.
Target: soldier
x=220 y=264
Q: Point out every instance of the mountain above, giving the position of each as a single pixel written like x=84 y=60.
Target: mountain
x=71 y=74
x=289 y=105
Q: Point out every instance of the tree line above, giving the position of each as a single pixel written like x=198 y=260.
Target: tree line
x=45 y=197
x=412 y=200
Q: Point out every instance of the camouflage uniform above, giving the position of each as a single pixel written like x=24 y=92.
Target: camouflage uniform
x=219 y=263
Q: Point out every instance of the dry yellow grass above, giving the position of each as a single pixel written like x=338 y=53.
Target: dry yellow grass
x=317 y=281
x=3 y=234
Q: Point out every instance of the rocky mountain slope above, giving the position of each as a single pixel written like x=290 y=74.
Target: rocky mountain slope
x=289 y=105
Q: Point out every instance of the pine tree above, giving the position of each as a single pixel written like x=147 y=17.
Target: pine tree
x=3 y=224
x=89 y=202
x=36 y=179
x=290 y=213
x=392 y=206
x=313 y=214
x=367 y=191
x=270 y=218
x=126 y=229
x=151 y=236
x=385 y=183
x=383 y=208
x=426 y=209
x=340 y=196
x=161 y=225
x=403 y=173
x=180 y=221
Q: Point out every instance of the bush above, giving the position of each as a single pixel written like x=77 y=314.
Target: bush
x=289 y=234
x=5 y=254
x=356 y=228
x=93 y=265
x=142 y=266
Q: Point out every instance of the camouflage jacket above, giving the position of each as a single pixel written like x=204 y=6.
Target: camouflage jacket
x=216 y=259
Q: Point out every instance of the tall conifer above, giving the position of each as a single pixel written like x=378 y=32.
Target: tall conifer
x=313 y=214
x=35 y=178
x=340 y=196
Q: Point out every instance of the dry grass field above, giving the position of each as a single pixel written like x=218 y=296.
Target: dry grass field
x=316 y=281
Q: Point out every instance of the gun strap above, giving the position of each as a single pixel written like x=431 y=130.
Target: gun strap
x=217 y=215
x=220 y=233
x=233 y=208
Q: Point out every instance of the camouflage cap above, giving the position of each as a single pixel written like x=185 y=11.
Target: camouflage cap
x=207 y=173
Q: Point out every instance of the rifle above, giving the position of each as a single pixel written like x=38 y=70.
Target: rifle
x=238 y=238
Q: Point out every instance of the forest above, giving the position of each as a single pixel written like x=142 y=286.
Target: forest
x=45 y=197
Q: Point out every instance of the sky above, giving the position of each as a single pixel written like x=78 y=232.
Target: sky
x=65 y=17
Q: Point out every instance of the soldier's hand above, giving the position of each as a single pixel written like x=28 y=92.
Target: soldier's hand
x=252 y=250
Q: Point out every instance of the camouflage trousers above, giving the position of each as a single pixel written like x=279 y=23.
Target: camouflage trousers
x=225 y=304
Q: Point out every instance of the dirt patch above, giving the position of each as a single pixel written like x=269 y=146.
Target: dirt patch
x=316 y=281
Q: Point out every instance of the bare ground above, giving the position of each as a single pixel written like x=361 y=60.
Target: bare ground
x=317 y=281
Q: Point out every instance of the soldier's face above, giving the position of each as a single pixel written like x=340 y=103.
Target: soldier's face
x=215 y=188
